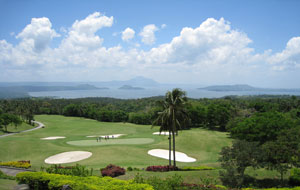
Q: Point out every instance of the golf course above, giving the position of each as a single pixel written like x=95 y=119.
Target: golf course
x=128 y=150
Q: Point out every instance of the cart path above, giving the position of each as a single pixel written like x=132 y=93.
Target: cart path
x=40 y=125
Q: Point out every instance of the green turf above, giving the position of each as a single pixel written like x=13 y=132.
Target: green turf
x=133 y=141
x=6 y=184
x=204 y=145
x=13 y=129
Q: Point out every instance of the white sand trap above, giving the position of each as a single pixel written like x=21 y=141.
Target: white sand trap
x=162 y=133
x=53 y=138
x=180 y=157
x=68 y=157
x=110 y=136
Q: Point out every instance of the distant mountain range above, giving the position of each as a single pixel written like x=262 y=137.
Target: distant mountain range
x=245 y=87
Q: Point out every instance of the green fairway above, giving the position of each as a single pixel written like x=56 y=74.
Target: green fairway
x=6 y=184
x=13 y=129
x=111 y=142
x=130 y=150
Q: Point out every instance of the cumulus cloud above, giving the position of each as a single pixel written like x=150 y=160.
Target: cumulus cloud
x=212 y=43
x=128 y=34
x=82 y=33
x=213 y=52
x=289 y=58
x=148 y=34
x=38 y=33
x=163 y=26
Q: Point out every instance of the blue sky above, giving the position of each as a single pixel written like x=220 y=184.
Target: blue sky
x=192 y=41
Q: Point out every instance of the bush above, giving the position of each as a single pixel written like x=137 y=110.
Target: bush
x=77 y=170
x=17 y=164
x=196 y=168
x=133 y=169
x=46 y=181
x=174 y=182
x=112 y=171
x=161 y=168
x=294 y=178
x=170 y=183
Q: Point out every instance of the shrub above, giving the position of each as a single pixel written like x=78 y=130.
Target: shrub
x=77 y=170
x=46 y=181
x=196 y=168
x=133 y=169
x=161 y=168
x=112 y=171
x=170 y=183
x=17 y=164
x=294 y=178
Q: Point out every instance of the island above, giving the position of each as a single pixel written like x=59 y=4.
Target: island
x=128 y=87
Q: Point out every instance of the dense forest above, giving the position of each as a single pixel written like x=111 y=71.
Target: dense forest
x=218 y=114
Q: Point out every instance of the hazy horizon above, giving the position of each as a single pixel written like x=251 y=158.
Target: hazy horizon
x=186 y=42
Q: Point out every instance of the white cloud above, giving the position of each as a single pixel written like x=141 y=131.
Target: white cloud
x=38 y=33
x=210 y=44
x=289 y=58
x=128 y=34
x=147 y=34
x=82 y=33
x=163 y=26
x=210 y=53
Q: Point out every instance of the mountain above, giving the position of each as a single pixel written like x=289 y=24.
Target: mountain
x=245 y=87
x=128 y=87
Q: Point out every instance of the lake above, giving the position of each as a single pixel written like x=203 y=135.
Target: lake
x=134 y=94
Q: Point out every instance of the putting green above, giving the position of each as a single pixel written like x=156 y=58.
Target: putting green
x=111 y=142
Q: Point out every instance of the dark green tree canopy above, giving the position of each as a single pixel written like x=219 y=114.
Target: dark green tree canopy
x=261 y=127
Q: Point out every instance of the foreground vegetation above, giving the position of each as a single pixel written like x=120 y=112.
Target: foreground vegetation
x=251 y=141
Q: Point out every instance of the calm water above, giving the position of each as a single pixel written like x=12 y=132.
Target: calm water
x=134 y=94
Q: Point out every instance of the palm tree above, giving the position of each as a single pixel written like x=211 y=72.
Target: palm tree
x=173 y=117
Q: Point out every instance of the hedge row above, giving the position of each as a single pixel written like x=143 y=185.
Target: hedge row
x=284 y=188
x=77 y=170
x=17 y=164
x=196 y=168
x=46 y=181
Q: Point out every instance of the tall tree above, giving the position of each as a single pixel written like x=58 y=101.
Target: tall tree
x=174 y=116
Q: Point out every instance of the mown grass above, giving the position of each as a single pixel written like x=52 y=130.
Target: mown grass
x=204 y=145
x=6 y=184
x=13 y=129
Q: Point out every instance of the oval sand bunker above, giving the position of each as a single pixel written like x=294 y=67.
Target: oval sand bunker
x=180 y=157
x=53 y=138
x=68 y=157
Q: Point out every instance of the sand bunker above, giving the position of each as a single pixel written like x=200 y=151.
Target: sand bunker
x=180 y=157
x=162 y=133
x=68 y=157
x=110 y=136
x=53 y=138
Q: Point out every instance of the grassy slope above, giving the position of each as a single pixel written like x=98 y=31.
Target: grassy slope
x=13 y=129
x=204 y=145
x=201 y=144
x=6 y=184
